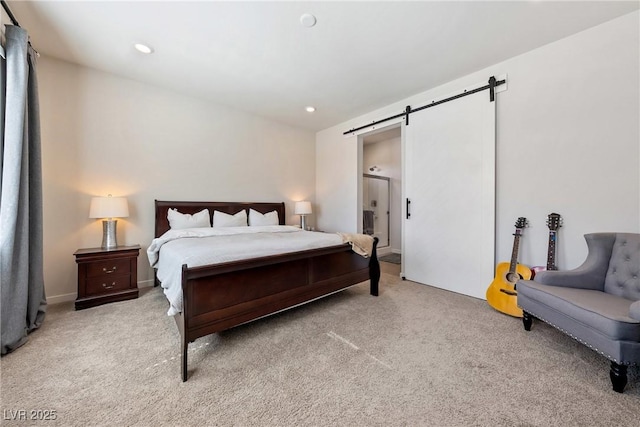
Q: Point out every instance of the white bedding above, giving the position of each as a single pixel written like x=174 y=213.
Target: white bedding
x=205 y=246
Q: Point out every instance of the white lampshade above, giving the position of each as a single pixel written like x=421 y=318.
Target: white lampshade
x=109 y=207
x=302 y=208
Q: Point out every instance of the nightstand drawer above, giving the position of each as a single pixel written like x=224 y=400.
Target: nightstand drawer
x=100 y=285
x=109 y=268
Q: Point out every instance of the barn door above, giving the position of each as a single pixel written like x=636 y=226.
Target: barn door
x=449 y=229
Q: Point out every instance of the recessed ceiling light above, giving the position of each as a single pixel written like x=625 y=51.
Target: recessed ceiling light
x=310 y=109
x=143 y=48
x=308 y=20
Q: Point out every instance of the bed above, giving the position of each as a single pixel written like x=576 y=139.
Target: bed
x=220 y=296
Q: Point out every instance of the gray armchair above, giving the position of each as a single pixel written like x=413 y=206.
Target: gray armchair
x=597 y=304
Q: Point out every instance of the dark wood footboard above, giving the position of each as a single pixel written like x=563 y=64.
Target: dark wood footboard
x=219 y=297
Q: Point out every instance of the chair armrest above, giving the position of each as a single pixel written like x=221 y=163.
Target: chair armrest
x=634 y=311
x=579 y=278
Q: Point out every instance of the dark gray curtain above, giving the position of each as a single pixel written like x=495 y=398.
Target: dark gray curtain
x=23 y=302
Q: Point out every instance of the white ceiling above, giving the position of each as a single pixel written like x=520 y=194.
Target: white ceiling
x=257 y=57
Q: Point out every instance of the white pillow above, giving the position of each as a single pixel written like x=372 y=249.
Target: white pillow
x=221 y=219
x=256 y=218
x=178 y=221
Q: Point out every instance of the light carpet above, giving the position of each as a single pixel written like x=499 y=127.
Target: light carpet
x=415 y=355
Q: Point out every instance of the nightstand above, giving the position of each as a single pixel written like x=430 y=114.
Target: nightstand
x=106 y=275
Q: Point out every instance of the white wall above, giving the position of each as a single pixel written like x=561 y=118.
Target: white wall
x=567 y=141
x=387 y=156
x=337 y=174
x=104 y=134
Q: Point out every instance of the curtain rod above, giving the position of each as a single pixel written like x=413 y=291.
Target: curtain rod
x=5 y=6
x=408 y=110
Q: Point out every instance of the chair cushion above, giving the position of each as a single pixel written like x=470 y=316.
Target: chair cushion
x=609 y=314
x=623 y=275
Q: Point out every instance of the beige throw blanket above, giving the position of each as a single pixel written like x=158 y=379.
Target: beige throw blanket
x=361 y=244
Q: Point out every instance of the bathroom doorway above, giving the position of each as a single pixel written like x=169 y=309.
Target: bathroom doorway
x=381 y=189
x=375 y=208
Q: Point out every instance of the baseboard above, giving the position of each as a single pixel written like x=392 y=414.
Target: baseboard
x=396 y=251
x=383 y=251
x=57 y=299
x=146 y=283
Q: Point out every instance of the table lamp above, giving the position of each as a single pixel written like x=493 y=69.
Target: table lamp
x=303 y=209
x=109 y=208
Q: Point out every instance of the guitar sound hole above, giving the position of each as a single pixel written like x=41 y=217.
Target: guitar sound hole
x=513 y=277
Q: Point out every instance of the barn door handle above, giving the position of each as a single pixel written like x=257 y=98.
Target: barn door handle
x=408 y=203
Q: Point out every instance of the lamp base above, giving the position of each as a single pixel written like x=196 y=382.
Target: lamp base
x=109 y=240
x=303 y=222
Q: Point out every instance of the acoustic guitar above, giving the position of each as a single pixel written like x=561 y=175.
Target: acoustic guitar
x=554 y=221
x=502 y=294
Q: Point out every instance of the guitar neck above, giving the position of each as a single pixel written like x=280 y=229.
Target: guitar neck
x=514 y=252
x=551 y=252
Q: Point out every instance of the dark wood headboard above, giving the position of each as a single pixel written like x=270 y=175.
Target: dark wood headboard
x=162 y=207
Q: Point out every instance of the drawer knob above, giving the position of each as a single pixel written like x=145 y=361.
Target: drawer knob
x=109 y=271
x=112 y=285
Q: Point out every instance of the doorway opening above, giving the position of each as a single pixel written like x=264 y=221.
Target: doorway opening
x=375 y=207
x=381 y=189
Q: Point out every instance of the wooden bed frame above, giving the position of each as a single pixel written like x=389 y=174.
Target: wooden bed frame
x=221 y=296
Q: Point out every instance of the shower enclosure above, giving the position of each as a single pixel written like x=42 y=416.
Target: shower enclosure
x=375 y=209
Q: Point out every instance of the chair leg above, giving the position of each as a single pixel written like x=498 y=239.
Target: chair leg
x=618 y=375
x=527 y=320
